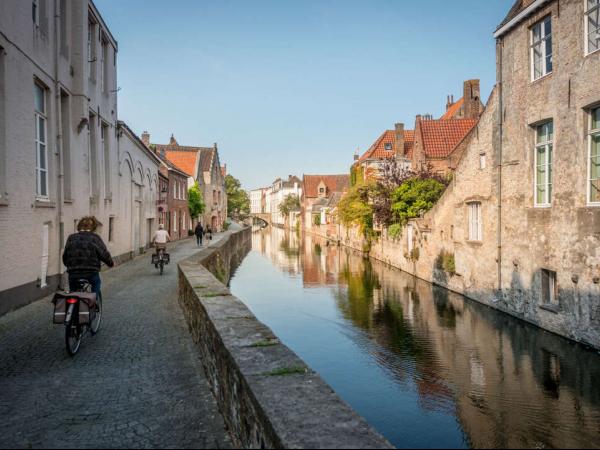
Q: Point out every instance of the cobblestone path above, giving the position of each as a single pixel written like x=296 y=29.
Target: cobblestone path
x=138 y=383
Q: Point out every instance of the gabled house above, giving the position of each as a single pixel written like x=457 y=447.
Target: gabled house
x=321 y=194
x=439 y=143
x=397 y=143
x=204 y=166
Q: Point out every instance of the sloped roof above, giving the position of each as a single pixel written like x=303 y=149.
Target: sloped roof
x=334 y=183
x=172 y=166
x=440 y=137
x=187 y=161
x=378 y=149
x=453 y=110
x=514 y=11
x=187 y=158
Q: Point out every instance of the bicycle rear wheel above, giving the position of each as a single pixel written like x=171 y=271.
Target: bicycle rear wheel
x=162 y=266
x=73 y=337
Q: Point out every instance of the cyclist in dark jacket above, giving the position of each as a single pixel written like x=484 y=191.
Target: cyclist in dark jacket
x=84 y=253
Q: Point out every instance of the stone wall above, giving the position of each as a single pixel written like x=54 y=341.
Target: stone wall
x=267 y=395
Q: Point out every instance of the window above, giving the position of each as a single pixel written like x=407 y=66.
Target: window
x=592 y=26
x=475 y=222
x=183 y=221
x=65 y=119
x=410 y=239
x=41 y=143
x=91 y=48
x=543 y=164
x=541 y=48
x=64 y=49
x=594 y=154
x=93 y=156
x=35 y=10
x=103 y=59
x=549 y=296
x=175 y=221
x=388 y=147
x=482 y=161
x=105 y=138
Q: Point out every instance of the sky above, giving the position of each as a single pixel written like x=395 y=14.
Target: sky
x=294 y=87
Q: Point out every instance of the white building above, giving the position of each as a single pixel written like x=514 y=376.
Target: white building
x=279 y=191
x=63 y=154
x=258 y=201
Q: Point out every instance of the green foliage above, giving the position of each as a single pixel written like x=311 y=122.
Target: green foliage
x=195 y=201
x=238 y=200
x=395 y=231
x=289 y=204
x=317 y=220
x=446 y=262
x=357 y=175
x=414 y=197
x=415 y=254
x=355 y=208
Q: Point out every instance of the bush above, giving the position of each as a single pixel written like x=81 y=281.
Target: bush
x=414 y=197
x=395 y=231
x=317 y=220
x=446 y=262
x=355 y=209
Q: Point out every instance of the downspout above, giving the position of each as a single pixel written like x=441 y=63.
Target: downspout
x=59 y=144
x=500 y=45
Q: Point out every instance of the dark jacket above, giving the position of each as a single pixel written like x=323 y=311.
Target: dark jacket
x=85 y=252
x=199 y=230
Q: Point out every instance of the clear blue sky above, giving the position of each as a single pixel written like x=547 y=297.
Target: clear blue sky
x=292 y=87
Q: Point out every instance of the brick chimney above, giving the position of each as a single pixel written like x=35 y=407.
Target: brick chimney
x=146 y=138
x=399 y=140
x=472 y=99
x=449 y=102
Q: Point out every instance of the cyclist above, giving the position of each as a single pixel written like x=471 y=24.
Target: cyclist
x=83 y=255
x=160 y=239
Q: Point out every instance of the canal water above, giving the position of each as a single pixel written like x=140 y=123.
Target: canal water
x=426 y=367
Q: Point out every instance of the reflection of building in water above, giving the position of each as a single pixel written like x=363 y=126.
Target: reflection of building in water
x=508 y=384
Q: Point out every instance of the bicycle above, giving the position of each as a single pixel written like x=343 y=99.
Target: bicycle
x=81 y=313
x=160 y=259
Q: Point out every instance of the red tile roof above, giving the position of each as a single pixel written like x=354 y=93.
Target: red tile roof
x=186 y=161
x=378 y=150
x=185 y=157
x=334 y=183
x=440 y=137
x=453 y=110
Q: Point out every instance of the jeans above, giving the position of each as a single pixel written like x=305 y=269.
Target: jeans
x=199 y=240
x=93 y=279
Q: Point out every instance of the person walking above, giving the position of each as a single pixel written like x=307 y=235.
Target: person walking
x=209 y=233
x=199 y=232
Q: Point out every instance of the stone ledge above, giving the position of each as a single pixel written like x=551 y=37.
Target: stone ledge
x=268 y=396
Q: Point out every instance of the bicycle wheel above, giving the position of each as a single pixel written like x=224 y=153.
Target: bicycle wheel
x=95 y=325
x=73 y=337
x=162 y=267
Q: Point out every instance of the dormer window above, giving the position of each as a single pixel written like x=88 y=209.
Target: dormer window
x=388 y=147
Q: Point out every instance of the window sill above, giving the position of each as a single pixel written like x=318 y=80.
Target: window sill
x=44 y=204
x=542 y=206
x=475 y=243
x=68 y=201
x=539 y=80
x=595 y=52
x=555 y=309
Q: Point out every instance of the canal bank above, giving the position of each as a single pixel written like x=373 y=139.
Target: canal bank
x=268 y=396
x=425 y=366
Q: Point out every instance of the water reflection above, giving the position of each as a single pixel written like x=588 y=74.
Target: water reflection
x=423 y=365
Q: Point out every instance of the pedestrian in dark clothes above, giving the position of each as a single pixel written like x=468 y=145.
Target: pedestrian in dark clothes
x=199 y=232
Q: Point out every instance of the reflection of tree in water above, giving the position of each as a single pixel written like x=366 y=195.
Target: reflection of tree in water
x=446 y=313
x=379 y=311
x=291 y=252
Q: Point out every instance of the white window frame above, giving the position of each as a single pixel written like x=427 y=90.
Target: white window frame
x=593 y=132
x=586 y=18
x=475 y=221
x=482 y=161
x=91 y=46
x=543 y=43
x=548 y=145
x=175 y=221
x=552 y=288
x=41 y=116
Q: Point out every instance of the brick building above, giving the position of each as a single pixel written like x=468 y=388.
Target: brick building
x=204 y=166
x=321 y=194
x=173 y=205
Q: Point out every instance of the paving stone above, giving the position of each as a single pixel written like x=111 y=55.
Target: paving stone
x=138 y=383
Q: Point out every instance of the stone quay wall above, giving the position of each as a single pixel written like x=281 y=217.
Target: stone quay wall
x=268 y=396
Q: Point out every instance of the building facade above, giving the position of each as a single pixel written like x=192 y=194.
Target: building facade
x=203 y=164
x=63 y=153
x=280 y=190
x=320 y=196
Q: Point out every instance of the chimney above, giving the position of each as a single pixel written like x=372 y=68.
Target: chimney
x=146 y=138
x=399 y=140
x=450 y=102
x=472 y=99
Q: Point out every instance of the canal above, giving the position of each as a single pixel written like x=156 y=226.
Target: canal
x=426 y=367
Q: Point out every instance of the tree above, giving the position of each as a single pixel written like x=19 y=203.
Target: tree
x=238 y=201
x=195 y=201
x=290 y=203
x=415 y=197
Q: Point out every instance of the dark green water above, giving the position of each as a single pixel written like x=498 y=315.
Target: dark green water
x=426 y=367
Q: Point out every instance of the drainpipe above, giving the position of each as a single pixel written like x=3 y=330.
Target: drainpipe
x=500 y=45
x=59 y=141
